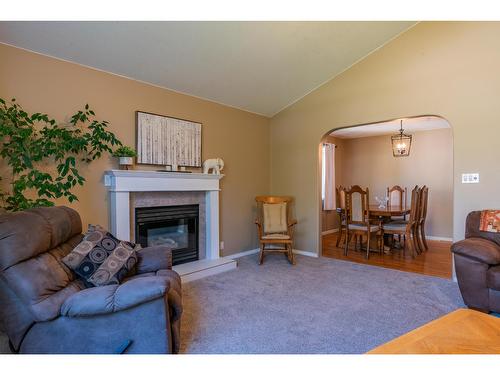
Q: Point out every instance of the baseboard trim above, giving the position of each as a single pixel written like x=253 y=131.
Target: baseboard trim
x=255 y=251
x=306 y=253
x=241 y=254
x=330 y=231
x=434 y=238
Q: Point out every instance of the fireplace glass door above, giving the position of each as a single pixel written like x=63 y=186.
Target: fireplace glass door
x=173 y=226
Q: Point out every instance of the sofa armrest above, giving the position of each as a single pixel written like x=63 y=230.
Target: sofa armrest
x=154 y=258
x=478 y=249
x=112 y=298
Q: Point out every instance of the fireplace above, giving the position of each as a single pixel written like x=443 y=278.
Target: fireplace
x=172 y=226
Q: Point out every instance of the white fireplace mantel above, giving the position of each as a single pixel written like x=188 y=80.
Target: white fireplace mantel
x=121 y=183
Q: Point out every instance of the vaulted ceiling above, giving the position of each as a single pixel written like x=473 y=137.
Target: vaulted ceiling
x=261 y=67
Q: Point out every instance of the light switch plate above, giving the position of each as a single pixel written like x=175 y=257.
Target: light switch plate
x=470 y=178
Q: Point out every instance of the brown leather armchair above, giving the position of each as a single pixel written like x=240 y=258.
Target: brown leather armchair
x=45 y=309
x=477 y=265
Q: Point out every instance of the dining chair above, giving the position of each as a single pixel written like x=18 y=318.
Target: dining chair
x=341 y=208
x=420 y=230
x=358 y=218
x=407 y=229
x=397 y=197
x=275 y=225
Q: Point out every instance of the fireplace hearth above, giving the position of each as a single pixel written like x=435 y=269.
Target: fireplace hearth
x=173 y=226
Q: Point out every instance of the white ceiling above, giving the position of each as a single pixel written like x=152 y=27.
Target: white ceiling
x=410 y=126
x=261 y=67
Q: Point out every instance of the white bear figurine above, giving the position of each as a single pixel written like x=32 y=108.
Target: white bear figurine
x=216 y=165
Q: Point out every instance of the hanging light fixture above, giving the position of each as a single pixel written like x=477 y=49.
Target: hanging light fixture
x=401 y=143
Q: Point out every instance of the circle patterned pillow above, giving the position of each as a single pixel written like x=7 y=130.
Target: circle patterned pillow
x=101 y=259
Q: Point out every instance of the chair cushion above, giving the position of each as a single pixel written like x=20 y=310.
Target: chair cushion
x=101 y=259
x=395 y=226
x=363 y=227
x=275 y=220
x=276 y=236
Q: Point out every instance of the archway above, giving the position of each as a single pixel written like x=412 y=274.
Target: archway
x=363 y=156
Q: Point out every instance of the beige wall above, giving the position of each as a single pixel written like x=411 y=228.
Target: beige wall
x=43 y=84
x=440 y=68
x=368 y=162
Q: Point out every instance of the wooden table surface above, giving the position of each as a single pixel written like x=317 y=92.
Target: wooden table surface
x=460 y=332
x=388 y=211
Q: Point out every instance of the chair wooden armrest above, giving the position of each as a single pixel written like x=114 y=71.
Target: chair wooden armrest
x=259 y=227
x=292 y=222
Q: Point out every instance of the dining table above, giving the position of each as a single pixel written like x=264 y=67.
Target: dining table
x=388 y=211
x=384 y=212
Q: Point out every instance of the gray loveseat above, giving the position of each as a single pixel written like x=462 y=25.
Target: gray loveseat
x=45 y=309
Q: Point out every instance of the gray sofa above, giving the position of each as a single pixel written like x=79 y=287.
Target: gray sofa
x=45 y=309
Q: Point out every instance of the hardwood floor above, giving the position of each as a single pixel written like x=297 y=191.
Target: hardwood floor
x=437 y=261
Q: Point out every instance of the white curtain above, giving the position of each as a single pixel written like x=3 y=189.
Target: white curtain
x=328 y=176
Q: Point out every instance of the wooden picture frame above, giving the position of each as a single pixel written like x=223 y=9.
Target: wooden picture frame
x=165 y=140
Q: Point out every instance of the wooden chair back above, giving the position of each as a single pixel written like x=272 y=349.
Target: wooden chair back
x=397 y=196
x=424 y=197
x=340 y=193
x=414 y=206
x=357 y=205
x=272 y=199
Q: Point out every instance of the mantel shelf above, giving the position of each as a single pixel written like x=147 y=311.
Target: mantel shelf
x=157 y=174
x=142 y=180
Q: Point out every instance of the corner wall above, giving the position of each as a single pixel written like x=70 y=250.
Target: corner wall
x=439 y=68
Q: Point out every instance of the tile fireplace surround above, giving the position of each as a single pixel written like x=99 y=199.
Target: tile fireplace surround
x=135 y=188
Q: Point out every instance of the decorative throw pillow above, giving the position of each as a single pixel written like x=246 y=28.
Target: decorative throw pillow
x=101 y=259
x=275 y=217
x=490 y=221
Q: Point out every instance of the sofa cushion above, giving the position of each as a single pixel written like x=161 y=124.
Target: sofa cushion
x=112 y=298
x=54 y=226
x=101 y=259
x=479 y=249
x=493 y=278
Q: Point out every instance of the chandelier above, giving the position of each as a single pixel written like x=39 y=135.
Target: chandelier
x=401 y=143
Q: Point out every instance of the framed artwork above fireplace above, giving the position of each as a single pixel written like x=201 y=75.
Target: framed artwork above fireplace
x=164 y=140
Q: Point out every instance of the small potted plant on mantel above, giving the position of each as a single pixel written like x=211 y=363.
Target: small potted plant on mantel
x=126 y=156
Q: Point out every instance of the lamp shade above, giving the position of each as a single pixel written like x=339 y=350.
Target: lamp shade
x=401 y=143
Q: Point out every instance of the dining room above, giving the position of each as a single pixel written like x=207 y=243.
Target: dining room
x=387 y=194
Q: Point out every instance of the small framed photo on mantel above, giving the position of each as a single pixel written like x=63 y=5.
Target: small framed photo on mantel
x=168 y=141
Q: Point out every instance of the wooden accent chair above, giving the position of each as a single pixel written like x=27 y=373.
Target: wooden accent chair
x=341 y=209
x=397 y=198
x=357 y=217
x=407 y=229
x=420 y=230
x=275 y=225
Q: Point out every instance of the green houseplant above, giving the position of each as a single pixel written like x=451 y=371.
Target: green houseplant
x=42 y=156
x=125 y=155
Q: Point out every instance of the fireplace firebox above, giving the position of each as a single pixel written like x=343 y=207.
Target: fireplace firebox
x=172 y=226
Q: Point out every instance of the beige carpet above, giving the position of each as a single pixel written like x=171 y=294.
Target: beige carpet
x=318 y=306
